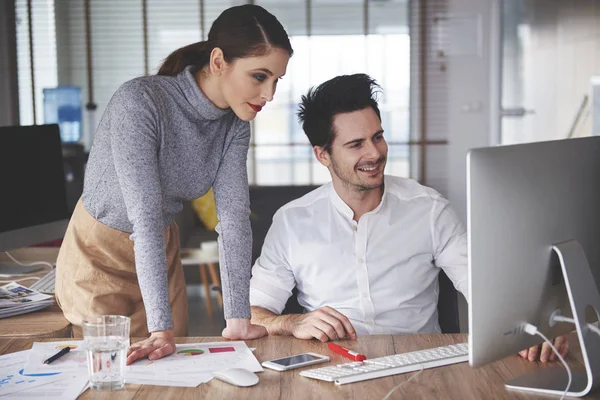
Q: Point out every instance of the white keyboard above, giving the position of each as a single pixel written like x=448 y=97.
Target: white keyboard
x=391 y=365
x=46 y=283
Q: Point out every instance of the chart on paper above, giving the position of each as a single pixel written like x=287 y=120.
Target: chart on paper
x=13 y=379
x=207 y=357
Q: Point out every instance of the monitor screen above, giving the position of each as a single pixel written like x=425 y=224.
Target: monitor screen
x=33 y=186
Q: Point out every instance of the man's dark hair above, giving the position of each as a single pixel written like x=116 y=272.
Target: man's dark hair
x=342 y=94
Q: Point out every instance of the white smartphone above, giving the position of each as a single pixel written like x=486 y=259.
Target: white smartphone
x=297 y=361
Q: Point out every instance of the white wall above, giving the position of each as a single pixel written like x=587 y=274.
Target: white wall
x=473 y=88
x=553 y=56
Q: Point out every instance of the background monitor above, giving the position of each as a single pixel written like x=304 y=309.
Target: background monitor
x=33 y=202
x=522 y=200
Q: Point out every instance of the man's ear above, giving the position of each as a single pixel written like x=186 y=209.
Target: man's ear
x=322 y=155
x=217 y=61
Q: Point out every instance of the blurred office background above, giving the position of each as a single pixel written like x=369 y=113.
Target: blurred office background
x=456 y=74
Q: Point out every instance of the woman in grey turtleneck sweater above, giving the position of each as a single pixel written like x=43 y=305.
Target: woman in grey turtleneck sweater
x=162 y=140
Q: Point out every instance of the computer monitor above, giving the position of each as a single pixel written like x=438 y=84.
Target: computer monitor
x=534 y=216
x=33 y=202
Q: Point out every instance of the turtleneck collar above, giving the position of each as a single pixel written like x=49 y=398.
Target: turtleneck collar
x=196 y=97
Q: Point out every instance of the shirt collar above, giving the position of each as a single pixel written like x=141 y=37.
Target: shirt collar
x=345 y=210
x=196 y=97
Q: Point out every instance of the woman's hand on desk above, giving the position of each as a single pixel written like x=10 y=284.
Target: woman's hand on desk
x=239 y=328
x=547 y=354
x=158 y=345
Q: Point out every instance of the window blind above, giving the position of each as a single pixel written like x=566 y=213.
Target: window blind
x=43 y=38
x=337 y=37
x=429 y=93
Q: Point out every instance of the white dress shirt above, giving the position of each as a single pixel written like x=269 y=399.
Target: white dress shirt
x=381 y=272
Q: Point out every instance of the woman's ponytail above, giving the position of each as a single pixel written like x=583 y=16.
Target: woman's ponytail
x=194 y=54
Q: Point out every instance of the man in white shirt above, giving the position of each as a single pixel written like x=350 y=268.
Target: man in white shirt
x=364 y=250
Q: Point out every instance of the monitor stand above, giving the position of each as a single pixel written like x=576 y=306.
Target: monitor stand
x=583 y=292
x=18 y=270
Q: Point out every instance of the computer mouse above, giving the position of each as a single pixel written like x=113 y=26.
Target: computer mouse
x=237 y=376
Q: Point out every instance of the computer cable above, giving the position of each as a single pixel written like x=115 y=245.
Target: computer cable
x=560 y=318
x=594 y=328
x=30 y=264
x=47 y=264
x=387 y=396
x=34 y=278
x=532 y=330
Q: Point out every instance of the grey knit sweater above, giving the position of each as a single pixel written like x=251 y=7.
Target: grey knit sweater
x=160 y=142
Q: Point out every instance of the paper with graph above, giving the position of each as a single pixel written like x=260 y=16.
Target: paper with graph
x=74 y=361
x=16 y=384
x=12 y=378
x=69 y=388
x=193 y=363
x=208 y=357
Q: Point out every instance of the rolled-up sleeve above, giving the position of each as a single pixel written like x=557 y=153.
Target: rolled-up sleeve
x=272 y=276
x=450 y=245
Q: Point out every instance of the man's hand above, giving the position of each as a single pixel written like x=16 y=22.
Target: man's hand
x=561 y=343
x=324 y=324
x=158 y=345
x=240 y=329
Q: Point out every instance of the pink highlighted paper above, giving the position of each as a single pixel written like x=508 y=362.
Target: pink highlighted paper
x=221 y=349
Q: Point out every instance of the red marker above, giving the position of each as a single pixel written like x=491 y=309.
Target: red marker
x=354 y=356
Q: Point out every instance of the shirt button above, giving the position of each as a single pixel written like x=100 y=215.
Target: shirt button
x=364 y=295
x=355 y=228
x=360 y=260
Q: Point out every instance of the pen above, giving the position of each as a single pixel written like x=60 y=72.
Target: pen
x=354 y=356
x=58 y=355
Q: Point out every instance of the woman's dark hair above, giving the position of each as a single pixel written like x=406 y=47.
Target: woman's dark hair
x=242 y=31
x=342 y=94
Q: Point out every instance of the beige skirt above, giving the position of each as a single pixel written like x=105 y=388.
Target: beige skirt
x=95 y=275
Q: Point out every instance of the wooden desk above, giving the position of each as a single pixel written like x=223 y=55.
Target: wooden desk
x=458 y=381
x=47 y=323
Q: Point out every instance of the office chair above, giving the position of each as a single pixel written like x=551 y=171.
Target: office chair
x=447 y=305
x=264 y=202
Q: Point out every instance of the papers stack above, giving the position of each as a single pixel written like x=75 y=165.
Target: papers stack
x=16 y=299
x=23 y=374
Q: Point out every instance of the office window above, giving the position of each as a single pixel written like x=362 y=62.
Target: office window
x=43 y=38
x=337 y=37
x=130 y=38
x=171 y=25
